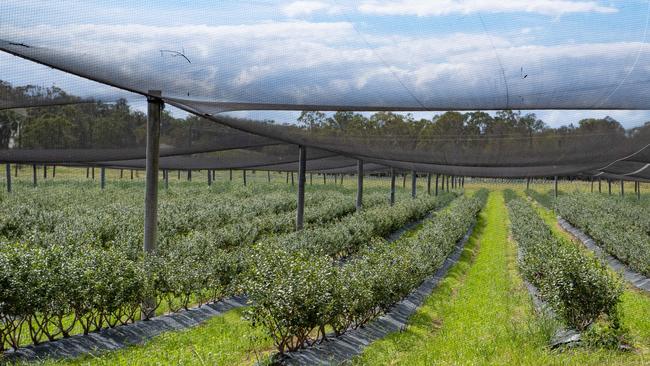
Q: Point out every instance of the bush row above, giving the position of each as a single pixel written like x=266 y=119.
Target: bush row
x=621 y=227
x=579 y=287
x=297 y=295
x=72 y=282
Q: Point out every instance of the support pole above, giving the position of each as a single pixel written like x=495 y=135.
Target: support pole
x=638 y=190
x=214 y=175
x=599 y=186
x=287 y=178
x=178 y=173
x=527 y=183
x=268 y=176
x=16 y=171
x=292 y=184
x=244 y=176
x=44 y=171
x=209 y=178
x=324 y=178
x=53 y=171
x=34 y=180
x=166 y=178
x=342 y=175
x=404 y=180
x=359 y=184
x=151 y=188
x=121 y=173
x=189 y=175
x=311 y=178
x=429 y=184
x=231 y=175
x=302 y=166
x=8 y=166
x=447 y=185
x=392 y=186
x=437 y=177
x=414 y=183
x=592 y=184
x=132 y=174
x=555 y=184
x=609 y=186
x=622 y=188
x=336 y=179
x=92 y=173
x=102 y=178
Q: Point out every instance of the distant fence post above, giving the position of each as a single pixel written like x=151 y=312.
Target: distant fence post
x=244 y=176
x=414 y=183
x=34 y=180
x=437 y=176
x=102 y=177
x=392 y=186
x=302 y=166
x=8 y=168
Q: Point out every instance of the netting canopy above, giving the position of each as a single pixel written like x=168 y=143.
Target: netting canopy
x=251 y=80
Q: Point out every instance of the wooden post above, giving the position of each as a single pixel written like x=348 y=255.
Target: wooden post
x=638 y=190
x=555 y=183
x=311 y=178
x=44 y=171
x=231 y=175
x=414 y=183
x=592 y=184
x=102 y=177
x=287 y=178
x=166 y=178
x=404 y=180
x=34 y=181
x=429 y=184
x=302 y=166
x=121 y=173
x=178 y=173
x=214 y=175
x=53 y=171
x=8 y=166
x=342 y=175
x=527 y=183
x=392 y=186
x=16 y=171
x=268 y=176
x=132 y=174
x=292 y=184
x=244 y=176
x=92 y=172
x=462 y=182
x=209 y=178
x=359 y=184
x=151 y=189
x=336 y=179
x=324 y=178
x=447 y=185
x=437 y=176
x=189 y=175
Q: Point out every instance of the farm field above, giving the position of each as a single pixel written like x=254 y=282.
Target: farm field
x=337 y=274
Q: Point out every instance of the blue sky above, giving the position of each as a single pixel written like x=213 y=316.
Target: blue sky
x=417 y=53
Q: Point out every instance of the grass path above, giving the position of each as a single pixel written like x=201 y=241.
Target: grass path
x=481 y=314
x=222 y=340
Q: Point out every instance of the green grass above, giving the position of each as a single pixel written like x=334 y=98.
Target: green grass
x=481 y=314
x=222 y=340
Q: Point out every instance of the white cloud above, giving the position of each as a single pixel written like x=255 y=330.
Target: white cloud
x=424 y=8
x=300 y=8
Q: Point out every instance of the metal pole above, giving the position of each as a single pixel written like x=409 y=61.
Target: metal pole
x=437 y=176
x=429 y=184
x=92 y=170
x=44 y=171
x=527 y=183
x=324 y=178
x=302 y=166
x=555 y=181
x=121 y=173
x=599 y=188
x=244 y=176
x=34 y=182
x=214 y=175
x=447 y=185
x=53 y=171
x=151 y=188
x=102 y=177
x=287 y=178
x=8 y=178
x=359 y=184
x=189 y=175
x=209 y=178
x=609 y=186
x=622 y=188
x=178 y=172
x=268 y=176
x=392 y=186
x=342 y=175
x=230 y=175
x=414 y=183
x=132 y=174
x=166 y=177
x=292 y=184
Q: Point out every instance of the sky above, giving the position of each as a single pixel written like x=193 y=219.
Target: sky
x=429 y=55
